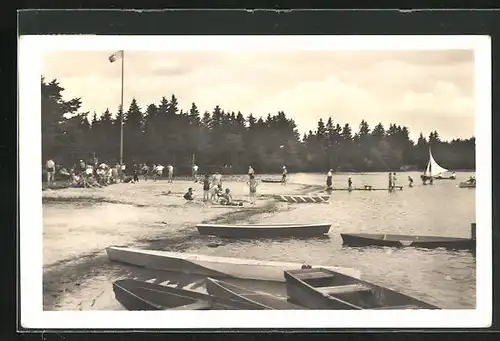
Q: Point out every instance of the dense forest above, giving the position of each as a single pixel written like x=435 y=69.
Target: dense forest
x=226 y=140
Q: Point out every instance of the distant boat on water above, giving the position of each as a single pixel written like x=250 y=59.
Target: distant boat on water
x=435 y=171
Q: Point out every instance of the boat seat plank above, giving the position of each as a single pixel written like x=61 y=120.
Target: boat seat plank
x=343 y=289
x=398 y=307
x=311 y=275
x=199 y=305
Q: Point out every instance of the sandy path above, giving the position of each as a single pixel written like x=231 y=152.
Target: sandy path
x=80 y=223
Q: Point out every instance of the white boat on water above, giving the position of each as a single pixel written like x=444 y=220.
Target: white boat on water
x=435 y=171
x=212 y=266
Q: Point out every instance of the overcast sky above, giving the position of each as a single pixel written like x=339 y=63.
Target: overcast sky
x=424 y=90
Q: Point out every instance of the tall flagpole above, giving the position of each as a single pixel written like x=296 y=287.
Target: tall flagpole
x=123 y=113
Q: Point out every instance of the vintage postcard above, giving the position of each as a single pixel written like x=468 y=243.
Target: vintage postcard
x=329 y=181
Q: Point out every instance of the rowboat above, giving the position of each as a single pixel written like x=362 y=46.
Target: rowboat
x=264 y=231
x=319 y=288
x=210 y=266
x=262 y=300
x=272 y=181
x=139 y=295
x=467 y=185
x=396 y=240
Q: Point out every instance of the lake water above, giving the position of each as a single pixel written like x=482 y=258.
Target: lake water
x=441 y=277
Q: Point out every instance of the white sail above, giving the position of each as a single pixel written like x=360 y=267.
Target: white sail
x=433 y=169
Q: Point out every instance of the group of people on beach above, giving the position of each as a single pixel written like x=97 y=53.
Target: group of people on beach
x=95 y=174
x=214 y=192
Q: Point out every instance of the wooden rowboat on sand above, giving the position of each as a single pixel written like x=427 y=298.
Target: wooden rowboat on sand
x=318 y=288
x=210 y=266
x=264 y=230
x=395 y=240
x=139 y=295
x=259 y=300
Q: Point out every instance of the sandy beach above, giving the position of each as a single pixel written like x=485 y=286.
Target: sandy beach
x=145 y=215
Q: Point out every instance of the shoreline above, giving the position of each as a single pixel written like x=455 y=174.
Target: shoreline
x=80 y=272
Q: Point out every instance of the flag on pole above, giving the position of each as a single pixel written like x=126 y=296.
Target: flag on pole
x=115 y=56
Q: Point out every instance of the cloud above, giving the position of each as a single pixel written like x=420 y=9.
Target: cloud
x=424 y=90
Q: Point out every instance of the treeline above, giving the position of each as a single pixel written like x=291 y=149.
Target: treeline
x=166 y=134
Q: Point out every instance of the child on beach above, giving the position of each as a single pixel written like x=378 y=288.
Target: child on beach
x=227 y=199
x=216 y=193
x=206 y=188
x=189 y=195
x=252 y=185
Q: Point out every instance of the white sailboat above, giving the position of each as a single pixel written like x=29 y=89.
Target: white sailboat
x=434 y=170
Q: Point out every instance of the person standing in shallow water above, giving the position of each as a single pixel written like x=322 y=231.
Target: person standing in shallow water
x=329 y=176
x=283 y=176
x=252 y=185
x=349 y=183
x=390 y=182
x=410 y=180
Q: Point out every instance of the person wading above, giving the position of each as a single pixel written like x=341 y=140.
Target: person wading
x=283 y=176
x=329 y=177
x=252 y=186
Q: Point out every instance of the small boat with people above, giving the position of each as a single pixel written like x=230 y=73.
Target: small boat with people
x=139 y=295
x=259 y=300
x=319 y=288
x=434 y=171
x=471 y=183
x=282 y=230
x=397 y=240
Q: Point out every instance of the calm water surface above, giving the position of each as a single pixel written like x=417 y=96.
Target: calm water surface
x=441 y=277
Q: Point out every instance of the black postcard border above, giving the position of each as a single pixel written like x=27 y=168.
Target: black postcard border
x=235 y=22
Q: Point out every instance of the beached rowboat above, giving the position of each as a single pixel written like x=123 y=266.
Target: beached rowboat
x=233 y=292
x=139 y=295
x=264 y=231
x=467 y=185
x=272 y=181
x=395 y=240
x=318 y=288
x=210 y=266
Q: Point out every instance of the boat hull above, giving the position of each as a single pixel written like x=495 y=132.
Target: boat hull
x=466 y=185
x=210 y=266
x=138 y=295
x=258 y=300
x=264 y=231
x=272 y=181
x=307 y=287
x=427 y=242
